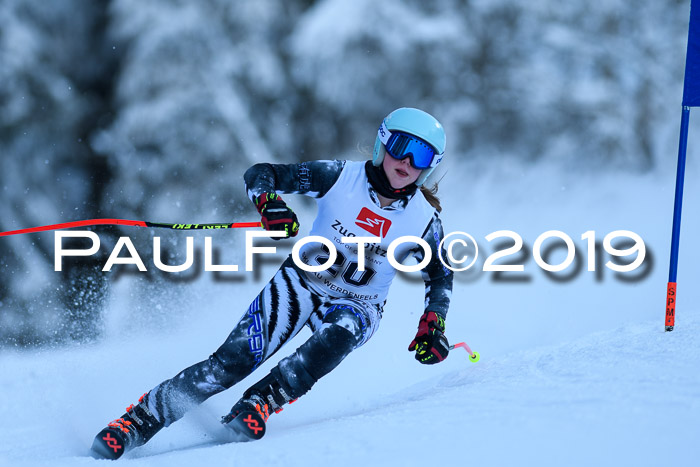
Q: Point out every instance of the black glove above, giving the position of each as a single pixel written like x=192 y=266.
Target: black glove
x=276 y=215
x=430 y=343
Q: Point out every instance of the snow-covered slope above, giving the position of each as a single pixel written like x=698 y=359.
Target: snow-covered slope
x=573 y=373
x=628 y=396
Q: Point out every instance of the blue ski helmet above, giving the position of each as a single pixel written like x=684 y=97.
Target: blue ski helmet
x=408 y=132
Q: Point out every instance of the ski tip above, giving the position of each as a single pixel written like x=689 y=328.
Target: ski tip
x=249 y=425
x=107 y=445
x=669 y=328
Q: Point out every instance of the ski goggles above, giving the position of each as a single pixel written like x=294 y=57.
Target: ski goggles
x=401 y=145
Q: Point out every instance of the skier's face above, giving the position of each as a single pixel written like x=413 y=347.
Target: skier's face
x=399 y=172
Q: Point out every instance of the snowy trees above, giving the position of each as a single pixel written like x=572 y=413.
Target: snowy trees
x=153 y=109
x=52 y=88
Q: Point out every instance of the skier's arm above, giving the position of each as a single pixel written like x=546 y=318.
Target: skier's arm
x=437 y=277
x=430 y=343
x=264 y=181
x=312 y=178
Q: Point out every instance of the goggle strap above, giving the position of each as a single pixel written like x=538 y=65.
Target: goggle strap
x=383 y=133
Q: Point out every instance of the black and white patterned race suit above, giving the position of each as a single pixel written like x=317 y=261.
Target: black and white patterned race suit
x=292 y=300
x=277 y=314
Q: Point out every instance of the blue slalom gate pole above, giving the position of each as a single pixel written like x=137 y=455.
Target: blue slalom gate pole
x=691 y=98
x=676 y=233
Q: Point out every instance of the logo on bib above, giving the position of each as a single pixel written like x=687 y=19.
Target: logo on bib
x=373 y=223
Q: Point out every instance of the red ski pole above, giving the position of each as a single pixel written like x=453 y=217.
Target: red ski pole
x=90 y=222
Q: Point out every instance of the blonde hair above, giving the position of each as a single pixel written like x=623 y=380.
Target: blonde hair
x=431 y=196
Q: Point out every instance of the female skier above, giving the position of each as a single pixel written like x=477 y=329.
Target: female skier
x=342 y=305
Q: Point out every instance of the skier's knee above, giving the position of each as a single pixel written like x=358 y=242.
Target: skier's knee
x=348 y=318
x=314 y=359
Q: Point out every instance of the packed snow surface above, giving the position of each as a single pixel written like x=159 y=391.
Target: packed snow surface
x=571 y=373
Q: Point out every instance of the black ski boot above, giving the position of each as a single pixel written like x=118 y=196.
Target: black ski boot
x=249 y=415
x=134 y=428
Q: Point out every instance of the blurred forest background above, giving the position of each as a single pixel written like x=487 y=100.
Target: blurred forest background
x=153 y=109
